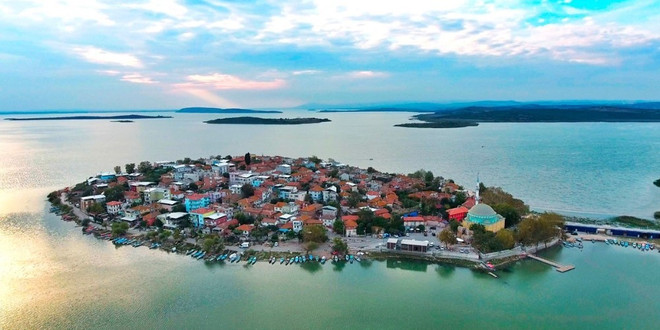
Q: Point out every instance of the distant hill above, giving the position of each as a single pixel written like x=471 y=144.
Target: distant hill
x=267 y=121
x=221 y=110
x=116 y=118
x=550 y=113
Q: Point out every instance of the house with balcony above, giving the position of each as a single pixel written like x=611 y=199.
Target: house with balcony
x=196 y=201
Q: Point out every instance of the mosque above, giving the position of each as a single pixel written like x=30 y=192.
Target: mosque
x=484 y=215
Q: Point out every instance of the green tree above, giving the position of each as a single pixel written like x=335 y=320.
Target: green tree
x=248 y=159
x=119 y=228
x=130 y=168
x=453 y=224
x=115 y=193
x=354 y=199
x=314 y=233
x=339 y=245
x=144 y=167
x=244 y=218
x=187 y=160
x=447 y=236
x=510 y=214
x=338 y=227
x=274 y=238
x=117 y=169
x=505 y=237
x=158 y=223
x=495 y=196
x=247 y=190
x=179 y=208
x=193 y=186
x=95 y=208
x=315 y=159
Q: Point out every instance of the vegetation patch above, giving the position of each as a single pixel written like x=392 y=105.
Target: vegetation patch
x=267 y=121
x=440 y=124
x=636 y=222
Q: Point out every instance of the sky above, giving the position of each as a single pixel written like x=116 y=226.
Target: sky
x=167 y=54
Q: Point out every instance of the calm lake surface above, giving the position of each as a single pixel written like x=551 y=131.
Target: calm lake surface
x=51 y=276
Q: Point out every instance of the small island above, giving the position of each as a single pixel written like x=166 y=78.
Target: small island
x=440 y=124
x=657 y=183
x=267 y=121
x=122 y=121
x=221 y=110
x=116 y=118
x=307 y=210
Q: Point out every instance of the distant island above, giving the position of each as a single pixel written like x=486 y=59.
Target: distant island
x=267 y=121
x=116 y=118
x=530 y=113
x=374 y=110
x=657 y=183
x=122 y=121
x=221 y=110
x=440 y=124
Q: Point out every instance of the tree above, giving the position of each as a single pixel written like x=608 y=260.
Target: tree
x=510 y=214
x=130 y=168
x=187 y=160
x=339 y=245
x=354 y=199
x=275 y=237
x=314 y=233
x=317 y=160
x=117 y=169
x=158 y=223
x=119 y=228
x=338 y=227
x=144 y=167
x=248 y=159
x=505 y=237
x=247 y=190
x=193 y=186
x=244 y=218
x=447 y=236
x=179 y=208
x=177 y=234
x=115 y=193
x=421 y=227
x=495 y=196
x=453 y=224
x=95 y=208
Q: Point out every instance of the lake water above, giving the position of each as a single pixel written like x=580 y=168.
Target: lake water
x=51 y=276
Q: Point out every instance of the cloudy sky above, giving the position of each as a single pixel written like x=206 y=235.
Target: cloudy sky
x=102 y=54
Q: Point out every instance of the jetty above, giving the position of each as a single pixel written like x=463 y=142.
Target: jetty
x=558 y=267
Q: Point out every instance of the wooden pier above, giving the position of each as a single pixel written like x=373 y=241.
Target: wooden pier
x=558 y=267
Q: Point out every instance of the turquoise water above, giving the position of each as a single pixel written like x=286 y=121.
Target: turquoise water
x=51 y=276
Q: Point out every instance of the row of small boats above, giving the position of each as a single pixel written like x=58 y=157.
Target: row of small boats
x=642 y=246
x=234 y=257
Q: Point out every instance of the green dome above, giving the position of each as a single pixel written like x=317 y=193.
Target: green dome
x=483 y=214
x=482 y=210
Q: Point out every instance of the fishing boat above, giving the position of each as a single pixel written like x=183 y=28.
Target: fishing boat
x=297 y=259
x=351 y=258
x=323 y=260
x=357 y=259
x=347 y=258
x=189 y=252
x=201 y=255
x=281 y=260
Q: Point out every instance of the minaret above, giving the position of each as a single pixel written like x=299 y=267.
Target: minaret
x=476 y=199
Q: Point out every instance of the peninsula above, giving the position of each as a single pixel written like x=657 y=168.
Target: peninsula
x=295 y=210
x=267 y=121
x=530 y=113
x=440 y=124
x=221 y=110
x=114 y=118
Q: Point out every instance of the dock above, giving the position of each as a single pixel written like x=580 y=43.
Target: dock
x=558 y=267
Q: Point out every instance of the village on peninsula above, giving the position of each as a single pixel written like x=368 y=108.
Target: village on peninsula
x=296 y=210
